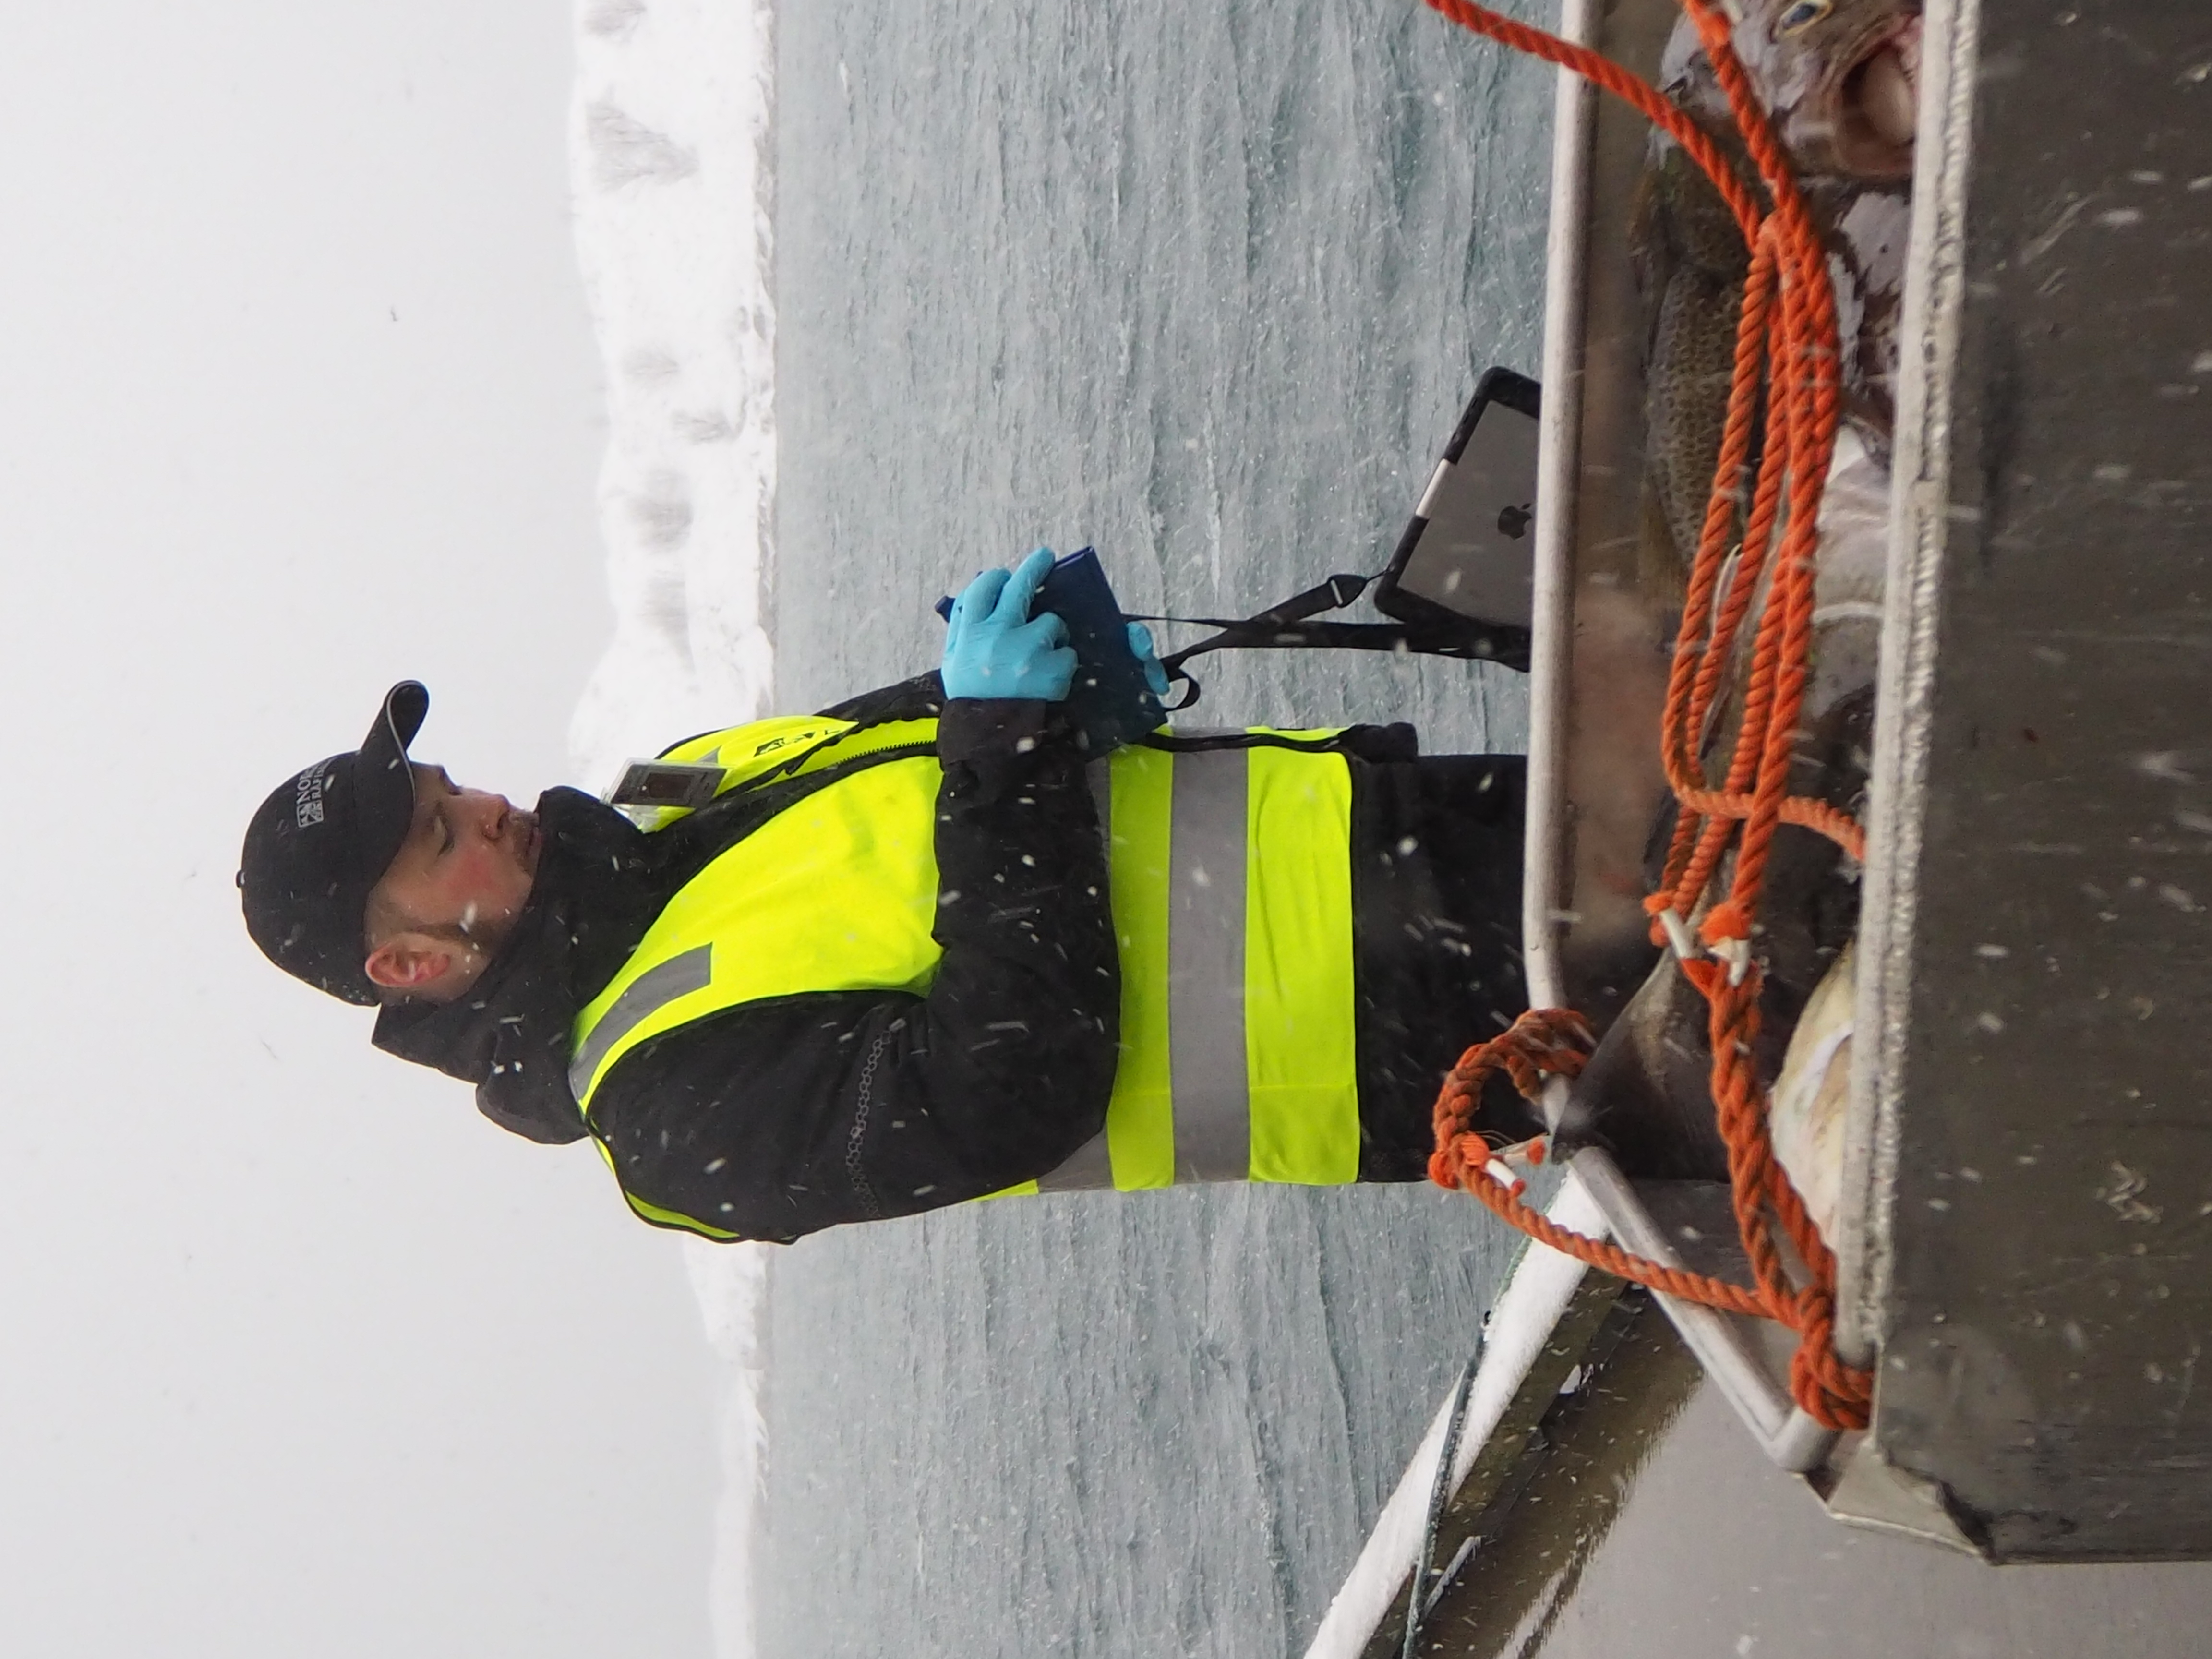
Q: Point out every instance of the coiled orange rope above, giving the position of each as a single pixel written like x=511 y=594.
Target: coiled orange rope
x=1786 y=342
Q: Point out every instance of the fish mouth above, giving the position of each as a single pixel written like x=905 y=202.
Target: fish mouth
x=1878 y=106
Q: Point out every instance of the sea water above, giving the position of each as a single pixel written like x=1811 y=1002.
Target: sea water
x=1206 y=286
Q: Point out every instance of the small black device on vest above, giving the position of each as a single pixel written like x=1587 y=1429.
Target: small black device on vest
x=668 y=783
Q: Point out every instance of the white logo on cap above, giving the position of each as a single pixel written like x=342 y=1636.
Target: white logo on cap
x=308 y=798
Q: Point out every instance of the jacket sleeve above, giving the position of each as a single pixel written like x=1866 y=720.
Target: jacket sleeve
x=915 y=699
x=771 y=1121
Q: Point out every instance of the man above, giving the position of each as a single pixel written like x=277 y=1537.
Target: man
x=921 y=948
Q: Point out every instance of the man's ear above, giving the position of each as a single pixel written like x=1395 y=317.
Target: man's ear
x=409 y=962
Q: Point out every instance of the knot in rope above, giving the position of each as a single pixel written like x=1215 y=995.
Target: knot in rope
x=1543 y=1042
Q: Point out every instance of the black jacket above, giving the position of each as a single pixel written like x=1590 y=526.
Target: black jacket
x=774 y=1119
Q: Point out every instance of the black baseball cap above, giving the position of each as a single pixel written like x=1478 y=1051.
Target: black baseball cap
x=321 y=840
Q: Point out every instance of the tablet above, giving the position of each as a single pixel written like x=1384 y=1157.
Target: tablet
x=1468 y=554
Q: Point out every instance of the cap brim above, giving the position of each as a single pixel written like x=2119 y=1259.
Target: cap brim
x=383 y=780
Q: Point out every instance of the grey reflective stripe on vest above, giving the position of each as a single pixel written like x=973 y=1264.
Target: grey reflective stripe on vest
x=653 y=990
x=1207 y=840
x=1089 y=1170
x=1205 y=968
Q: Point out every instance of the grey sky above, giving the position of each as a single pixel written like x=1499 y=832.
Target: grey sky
x=297 y=395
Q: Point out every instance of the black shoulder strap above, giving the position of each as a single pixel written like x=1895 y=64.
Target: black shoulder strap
x=1288 y=627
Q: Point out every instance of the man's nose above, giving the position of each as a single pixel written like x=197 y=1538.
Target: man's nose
x=489 y=812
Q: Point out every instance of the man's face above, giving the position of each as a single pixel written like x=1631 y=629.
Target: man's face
x=457 y=882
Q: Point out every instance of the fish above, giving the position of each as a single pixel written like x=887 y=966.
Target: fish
x=1691 y=263
x=1839 y=79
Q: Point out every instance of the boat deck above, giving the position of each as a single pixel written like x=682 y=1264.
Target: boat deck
x=1648 y=1523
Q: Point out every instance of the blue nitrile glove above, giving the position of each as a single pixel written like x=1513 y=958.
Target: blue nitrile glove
x=994 y=648
x=1140 y=645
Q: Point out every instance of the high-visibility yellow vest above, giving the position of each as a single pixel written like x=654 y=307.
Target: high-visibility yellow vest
x=1230 y=874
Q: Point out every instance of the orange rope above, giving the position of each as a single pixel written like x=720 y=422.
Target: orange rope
x=1786 y=344
x=1545 y=1041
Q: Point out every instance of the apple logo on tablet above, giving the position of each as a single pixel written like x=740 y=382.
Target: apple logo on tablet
x=1514 y=522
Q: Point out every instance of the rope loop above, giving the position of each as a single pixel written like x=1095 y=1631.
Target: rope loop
x=1787 y=358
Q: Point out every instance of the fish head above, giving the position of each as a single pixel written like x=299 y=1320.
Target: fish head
x=1839 y=78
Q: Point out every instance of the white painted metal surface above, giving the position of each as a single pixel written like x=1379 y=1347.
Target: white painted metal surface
x=1565 y=253
x=1520 y=1324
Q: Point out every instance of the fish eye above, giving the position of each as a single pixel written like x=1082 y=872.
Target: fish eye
x=1798 y=17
